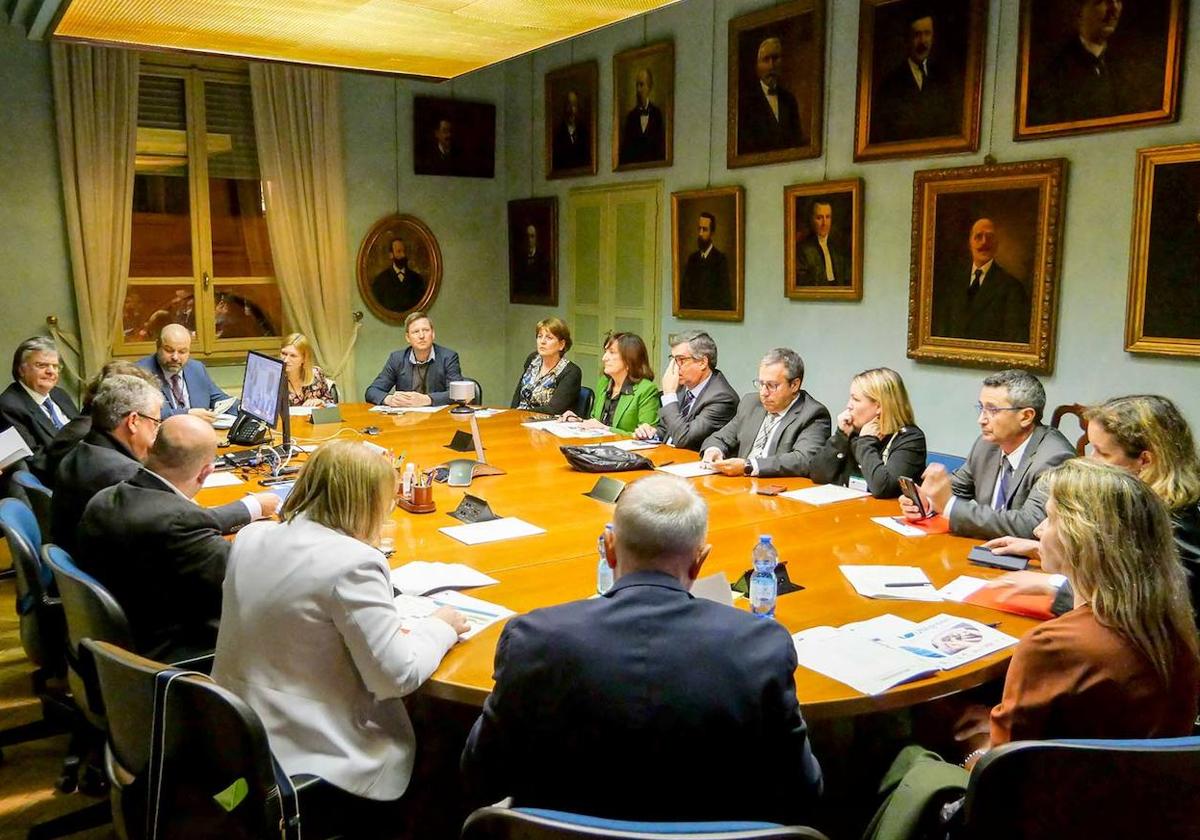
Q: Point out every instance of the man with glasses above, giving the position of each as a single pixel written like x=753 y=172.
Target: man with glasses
x=126 y=412
x=33 y=404
x=697 y=398
x=777 y=430
x=994 y=493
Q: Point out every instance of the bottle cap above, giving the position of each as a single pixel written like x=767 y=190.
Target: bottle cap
x=764 y=538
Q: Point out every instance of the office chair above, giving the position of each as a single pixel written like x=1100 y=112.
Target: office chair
x=950 y=462
x=1075 y=410
x=587 y=398
x=39 y=496
x=1118 y=790
x=214 y=775
x=537 y=824
x=478 y=390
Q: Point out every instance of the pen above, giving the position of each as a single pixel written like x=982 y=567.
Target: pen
x=665 y=464
x=898 y=585
x=994 y=624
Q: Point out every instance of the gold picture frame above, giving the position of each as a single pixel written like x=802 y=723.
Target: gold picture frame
x=386 y=295
x=571 y=145
x=643 y=137
x=835 y=206
x=708 y=284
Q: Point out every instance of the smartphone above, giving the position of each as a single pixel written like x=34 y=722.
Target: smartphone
x=981 y=556
x=909 y=488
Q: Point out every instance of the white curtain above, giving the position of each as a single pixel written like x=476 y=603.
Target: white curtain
x=95 y=98
x=297 y=120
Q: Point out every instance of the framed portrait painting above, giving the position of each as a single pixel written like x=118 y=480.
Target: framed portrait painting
x=643 y=107
x=1162 y=316
x=776 y=84
x=571 y=99
x=823 y=232
x=707 y=236
x=1094 y=65
x=399 y=267
x=920 y=72
x=533 y=251
x=983 y=288
x=454 y=137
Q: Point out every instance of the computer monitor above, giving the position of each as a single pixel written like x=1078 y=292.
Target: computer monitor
x=261 y=386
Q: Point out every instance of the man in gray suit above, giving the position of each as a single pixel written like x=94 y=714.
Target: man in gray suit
x=994 y=493
x=776 y=431
x=697 y=398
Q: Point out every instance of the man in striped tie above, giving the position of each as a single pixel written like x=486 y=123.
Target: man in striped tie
x=33 y=404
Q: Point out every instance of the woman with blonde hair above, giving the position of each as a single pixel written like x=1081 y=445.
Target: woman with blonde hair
x=876 y=440
x=307 y=384
x=311 y=638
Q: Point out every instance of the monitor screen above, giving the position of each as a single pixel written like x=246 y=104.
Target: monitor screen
x=260 y=387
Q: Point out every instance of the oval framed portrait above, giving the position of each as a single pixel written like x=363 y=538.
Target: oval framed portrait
x=399 y=267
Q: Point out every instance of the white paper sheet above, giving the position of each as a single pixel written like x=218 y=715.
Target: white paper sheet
x=713 y=588
x=12 y=447
x=224 y=421
x=484 y=413
x=414 y=409
x=959 y=588
x=857 y=661
x=948 y=641
x=222 y=479
x=630 y=445
x=224 y=405
x=824 y=494
x=880 y=626
x=892 y=524
x=300 y=410
x=479 y=614
x=421 y=577
x=690 y=469
x=507 y=528
x=567 y=431
x=889 y=582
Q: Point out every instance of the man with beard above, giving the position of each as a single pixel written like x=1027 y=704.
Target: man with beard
x=186 y=386
x=398 y=287
x=705 y=282
x=914 y=99
x=572 y=145
x=768 y=116
x=1085 y=79
x=644 y=136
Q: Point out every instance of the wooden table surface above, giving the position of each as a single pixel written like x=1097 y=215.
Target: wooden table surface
x=560 y=565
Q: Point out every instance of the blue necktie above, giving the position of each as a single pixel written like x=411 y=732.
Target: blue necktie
x=685 y=405
x=48 y=407
x=1002 y=496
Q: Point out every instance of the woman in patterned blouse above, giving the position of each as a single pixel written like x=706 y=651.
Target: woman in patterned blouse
x=307 y=385
x=549 y=383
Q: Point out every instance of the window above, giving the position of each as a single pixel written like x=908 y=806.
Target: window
x=199 y=253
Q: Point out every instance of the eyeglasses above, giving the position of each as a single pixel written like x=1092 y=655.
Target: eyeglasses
x=992 y=411
x=769 y=387
x=680 y=361
x=157 y=421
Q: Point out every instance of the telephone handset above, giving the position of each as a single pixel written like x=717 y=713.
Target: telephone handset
x=247 y=431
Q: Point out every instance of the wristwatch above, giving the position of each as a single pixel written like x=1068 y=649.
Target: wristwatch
x=748 y=469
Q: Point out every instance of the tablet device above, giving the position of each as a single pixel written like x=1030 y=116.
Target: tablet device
x=981 y=556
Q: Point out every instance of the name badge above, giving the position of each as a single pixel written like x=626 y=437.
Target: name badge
x=857 y=482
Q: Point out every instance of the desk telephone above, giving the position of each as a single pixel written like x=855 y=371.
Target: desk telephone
x=247 y=431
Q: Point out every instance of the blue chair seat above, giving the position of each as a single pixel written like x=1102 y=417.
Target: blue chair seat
x=546 y=824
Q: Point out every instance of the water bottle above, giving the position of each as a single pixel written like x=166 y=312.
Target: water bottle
x=763 y=586
x=604 y=572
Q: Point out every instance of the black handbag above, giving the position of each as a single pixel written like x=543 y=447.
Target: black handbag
x=602 y=458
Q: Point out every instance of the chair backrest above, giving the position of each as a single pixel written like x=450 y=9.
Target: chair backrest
x=218 y=777
x=1075 y=410
x=42 y=632
x=39 y=496
x=587 y=398
x=538 y=824
x=91 y=613
x=1037 y=790
x=478 y=390
x=950 y=462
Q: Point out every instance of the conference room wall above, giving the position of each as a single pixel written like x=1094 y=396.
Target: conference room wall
x=465 y=214
x=839 y=339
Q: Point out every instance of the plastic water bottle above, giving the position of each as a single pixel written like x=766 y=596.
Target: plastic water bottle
x=604 y=572
x=763 y=586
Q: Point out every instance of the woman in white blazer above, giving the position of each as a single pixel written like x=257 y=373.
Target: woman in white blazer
x=310 y=636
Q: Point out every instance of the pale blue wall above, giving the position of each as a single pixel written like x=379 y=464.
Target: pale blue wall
x=839 y=339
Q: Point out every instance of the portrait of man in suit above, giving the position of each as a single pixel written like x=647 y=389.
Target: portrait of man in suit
x=643 y=134
x=980 y=299
x=643 y=95
x=921 y=95
x=570 y=120
x=398 y=287
x=768 y=116
x=705 y=283
x=532 y=246
x=572 y=141
x=821 y=260
x=454 y=137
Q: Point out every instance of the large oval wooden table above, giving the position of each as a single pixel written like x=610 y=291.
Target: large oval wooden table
x=560 y=565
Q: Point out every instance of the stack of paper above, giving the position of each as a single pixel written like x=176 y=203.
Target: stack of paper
x=949 y=641
x=691 y=469
x=12 y=447
x=221 y=479
x=412 y=409
x=824 y=494
x=630 y=445
x=479 y=614
x=493 y=530
x=421 y=577
x=561 y=429
x=907 y=583
x=973 y=590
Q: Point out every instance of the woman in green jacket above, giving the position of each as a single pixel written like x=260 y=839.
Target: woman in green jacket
x=625 y=393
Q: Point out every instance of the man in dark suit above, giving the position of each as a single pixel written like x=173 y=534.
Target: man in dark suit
x=646 y=703
x=399 y=287
x=776 y=431
x=33 y=404
x=705 y=284
x=984 y=303
x=531 y=269
x=697 y=399
x=186 y=386
x=994 y=493
x=126 y=413
x=161 y=555
x=572 y=142
x=644 y=133
x=819 y=262
x=420 y=375
x=915 y=100
x=768 y=116
x=441 y=155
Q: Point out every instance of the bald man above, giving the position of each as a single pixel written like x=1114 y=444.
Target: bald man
x=983 y=302
x=644 y=133
x=161 y=555
x=572 y=141
x=768 y=116
x=186 y=386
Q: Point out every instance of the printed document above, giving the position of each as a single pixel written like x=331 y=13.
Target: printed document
x=824 y=494
x=421 y=577
x=899 y=583
x=479 y=614
x=493 y=530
